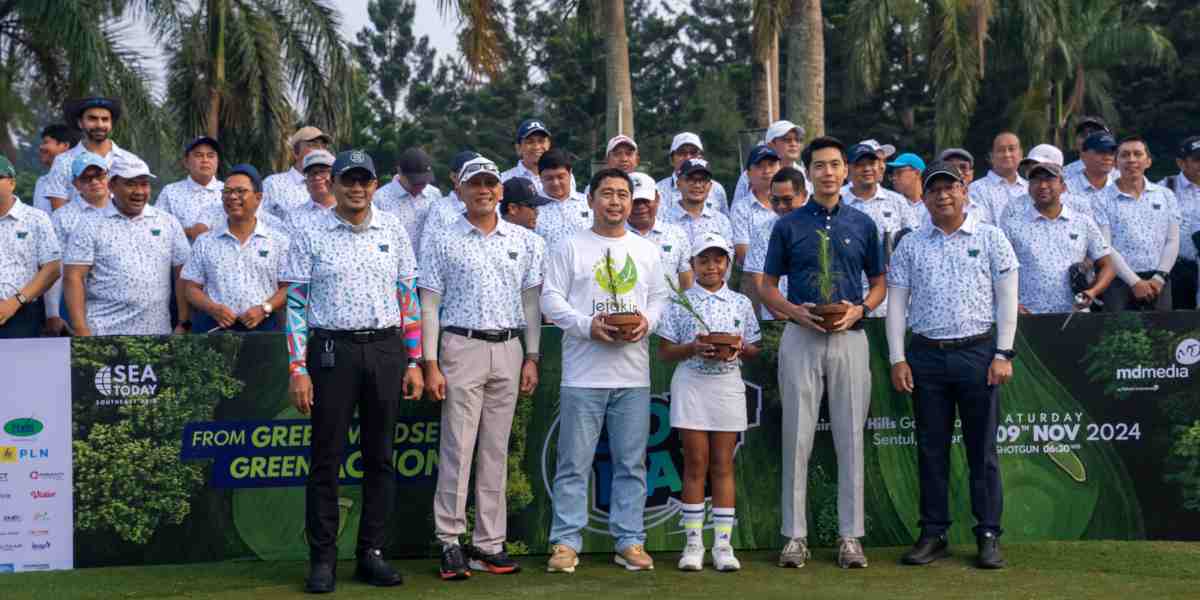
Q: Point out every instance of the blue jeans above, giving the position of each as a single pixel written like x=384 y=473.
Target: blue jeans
x=583 y=413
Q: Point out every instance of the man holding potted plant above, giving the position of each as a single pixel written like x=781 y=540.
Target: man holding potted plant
x=597 y=280
x=824 y=248
x=961 y=275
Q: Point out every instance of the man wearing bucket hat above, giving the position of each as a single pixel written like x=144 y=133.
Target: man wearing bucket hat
x=285 y=191
x=481 y=280
x=31 y=260
x=121 y=262
x=686 y=146
x=186 y=199
x=95 y=117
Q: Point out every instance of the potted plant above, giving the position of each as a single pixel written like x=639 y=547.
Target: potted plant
x=726 y=344
x=616 y=283
x=826 y=279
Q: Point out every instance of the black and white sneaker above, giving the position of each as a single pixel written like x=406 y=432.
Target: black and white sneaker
x=498 y=563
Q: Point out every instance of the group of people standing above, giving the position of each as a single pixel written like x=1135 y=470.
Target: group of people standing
x=390 y=290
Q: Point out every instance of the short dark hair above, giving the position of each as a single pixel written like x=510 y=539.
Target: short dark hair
x=603 y=174
x=1134 y=138
x=61 y=133
x=822 y=143
x=795 y=177
x=554 y=158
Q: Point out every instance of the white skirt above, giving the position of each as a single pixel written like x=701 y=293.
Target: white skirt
x=708 y=402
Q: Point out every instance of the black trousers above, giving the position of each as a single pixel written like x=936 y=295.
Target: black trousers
x=945 y=380
x=1183 y=284
x=1119 y=296
x=26 y=323
x=367 y=376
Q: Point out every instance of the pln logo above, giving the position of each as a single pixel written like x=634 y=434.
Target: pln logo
x=12 y=454
x=126 y=384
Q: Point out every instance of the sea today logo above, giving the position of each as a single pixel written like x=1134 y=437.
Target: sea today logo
x=126 y=384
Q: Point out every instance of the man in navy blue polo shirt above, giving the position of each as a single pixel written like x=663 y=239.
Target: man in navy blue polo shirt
x=810 y=357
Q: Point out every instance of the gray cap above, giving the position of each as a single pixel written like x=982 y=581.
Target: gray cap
x=941 y=169
x=318 y=157
x=949 y=153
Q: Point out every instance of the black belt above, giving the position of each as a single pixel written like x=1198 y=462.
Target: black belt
x=493 y=336
x=920 y=340
x=358 y=336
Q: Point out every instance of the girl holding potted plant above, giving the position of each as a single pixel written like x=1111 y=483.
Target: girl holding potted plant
x=708 y=328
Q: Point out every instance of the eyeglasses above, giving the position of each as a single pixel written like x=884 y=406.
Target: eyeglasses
x=319 y=173
x=237 y=192
x=93 y=178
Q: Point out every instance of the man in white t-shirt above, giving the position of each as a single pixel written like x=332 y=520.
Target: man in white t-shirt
x=594 y=276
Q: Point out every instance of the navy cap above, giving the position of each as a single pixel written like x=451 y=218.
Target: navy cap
x=460 y=159
x=353 y=159
x=941 y=169
x=1089 y=122
x=696 y=165
x=1101 y=141
x=858 y=152
x=1189 y=146
x=249 y=171
x=529 y=127
x=204 y=139
x=415 y=165
x=760 y=153
x=519 y=190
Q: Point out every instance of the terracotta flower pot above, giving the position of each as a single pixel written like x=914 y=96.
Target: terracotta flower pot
x=725 y=343
x=625 y=322
x=830 y=314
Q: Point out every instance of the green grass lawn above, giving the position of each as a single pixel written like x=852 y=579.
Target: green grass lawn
x=1074 y=570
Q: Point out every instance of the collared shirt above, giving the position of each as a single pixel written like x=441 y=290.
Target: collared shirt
x=951 y=278
x=1046 y=248
x=1077 y=167
x=560 y=219
x=410 y=210
x=129 y=284
x=748 y=219
x=756 y=259
x=741 y=192
x=186 y=199
x=709 y=220
x=1187 y=194
x=1079 y=185
x=214 y=217
x=794 y=246
x=993 y=192
x=479 y=276
x=27 y=241
x=304 y=217
x=1138 y=227
x=673 y=247
x=724 y=311
x=283 y=192
x=352 y=276
x=60 y=182
x=1080 y=204
x=890 y=213
x=68 y=217
x=522 y=171
x=40 y=200
x=239 y=276
x=669 y=194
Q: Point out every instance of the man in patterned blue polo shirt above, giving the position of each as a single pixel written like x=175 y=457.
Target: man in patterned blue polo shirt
x=961 y=277
x=29 y=259
x=812 y=360
x=485 y=274
x=695 y=217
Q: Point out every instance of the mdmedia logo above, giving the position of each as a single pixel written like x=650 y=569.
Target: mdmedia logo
x=1187 y=353
x=23 y=428
x=126 y=384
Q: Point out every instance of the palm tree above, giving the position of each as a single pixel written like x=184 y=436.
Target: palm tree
x=806 y=67
x=769 y=19
x=234 y=64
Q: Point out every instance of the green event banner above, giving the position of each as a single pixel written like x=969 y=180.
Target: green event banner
x=186 y=449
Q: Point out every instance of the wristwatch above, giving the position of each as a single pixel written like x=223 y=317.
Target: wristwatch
x=22 y=299
x=266 y=306
x=414 y=363
x=1006 y=354
x=534 y=356
x=1165 y=275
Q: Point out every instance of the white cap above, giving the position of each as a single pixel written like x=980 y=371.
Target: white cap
x=1045 y=153
x=686 y=137
x=779 y=129
x=318 y=157
x=711 y=240
x=476 y=166
x=129 y=167
x=644 y=187
x=885 y=151
x=617 y=141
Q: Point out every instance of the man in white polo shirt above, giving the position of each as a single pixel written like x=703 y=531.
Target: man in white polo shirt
x=787 y=140
x=687 y=146
x=1003 y=183
x=284 y=191
x=186 y=199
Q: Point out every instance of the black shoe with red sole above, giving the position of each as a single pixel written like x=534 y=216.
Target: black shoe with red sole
x=454 y=564
x=498 y=563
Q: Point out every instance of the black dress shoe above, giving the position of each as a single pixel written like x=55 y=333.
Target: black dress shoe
x=927 y=549
x=373 y=570
x=989 y=552
x=321 y=578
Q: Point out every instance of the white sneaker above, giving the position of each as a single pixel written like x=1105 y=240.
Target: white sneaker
x=724 y=560
x=692 y=558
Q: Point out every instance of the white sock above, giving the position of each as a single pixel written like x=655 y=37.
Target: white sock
x=723 y=521
x=693 y=523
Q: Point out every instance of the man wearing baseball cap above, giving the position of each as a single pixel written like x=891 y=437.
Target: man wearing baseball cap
x=1098 y=157
x=1048 y=237
x=694 y=215
x=672 y=242
x=90 y=173
x=532 y=141
x=1003 y=183
x=285 y=191
x=951 y=282
x=121 y=263
x=318 y=180
x=95 y=117
x=685 y=146
x=520 y=203
x=481 y=280
x=185 y=199
x=906 y=181
x=1085 y=126
x=787 y=140
x=31 y=260
x=1044 y=155
x=962 y=160
x=448 y=208
x=410 y=193
x=750 y=218
x=1186 y=186
x=351 y=278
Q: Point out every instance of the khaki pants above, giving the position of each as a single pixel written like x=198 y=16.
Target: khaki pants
x=482 y=381
x=810 y=362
